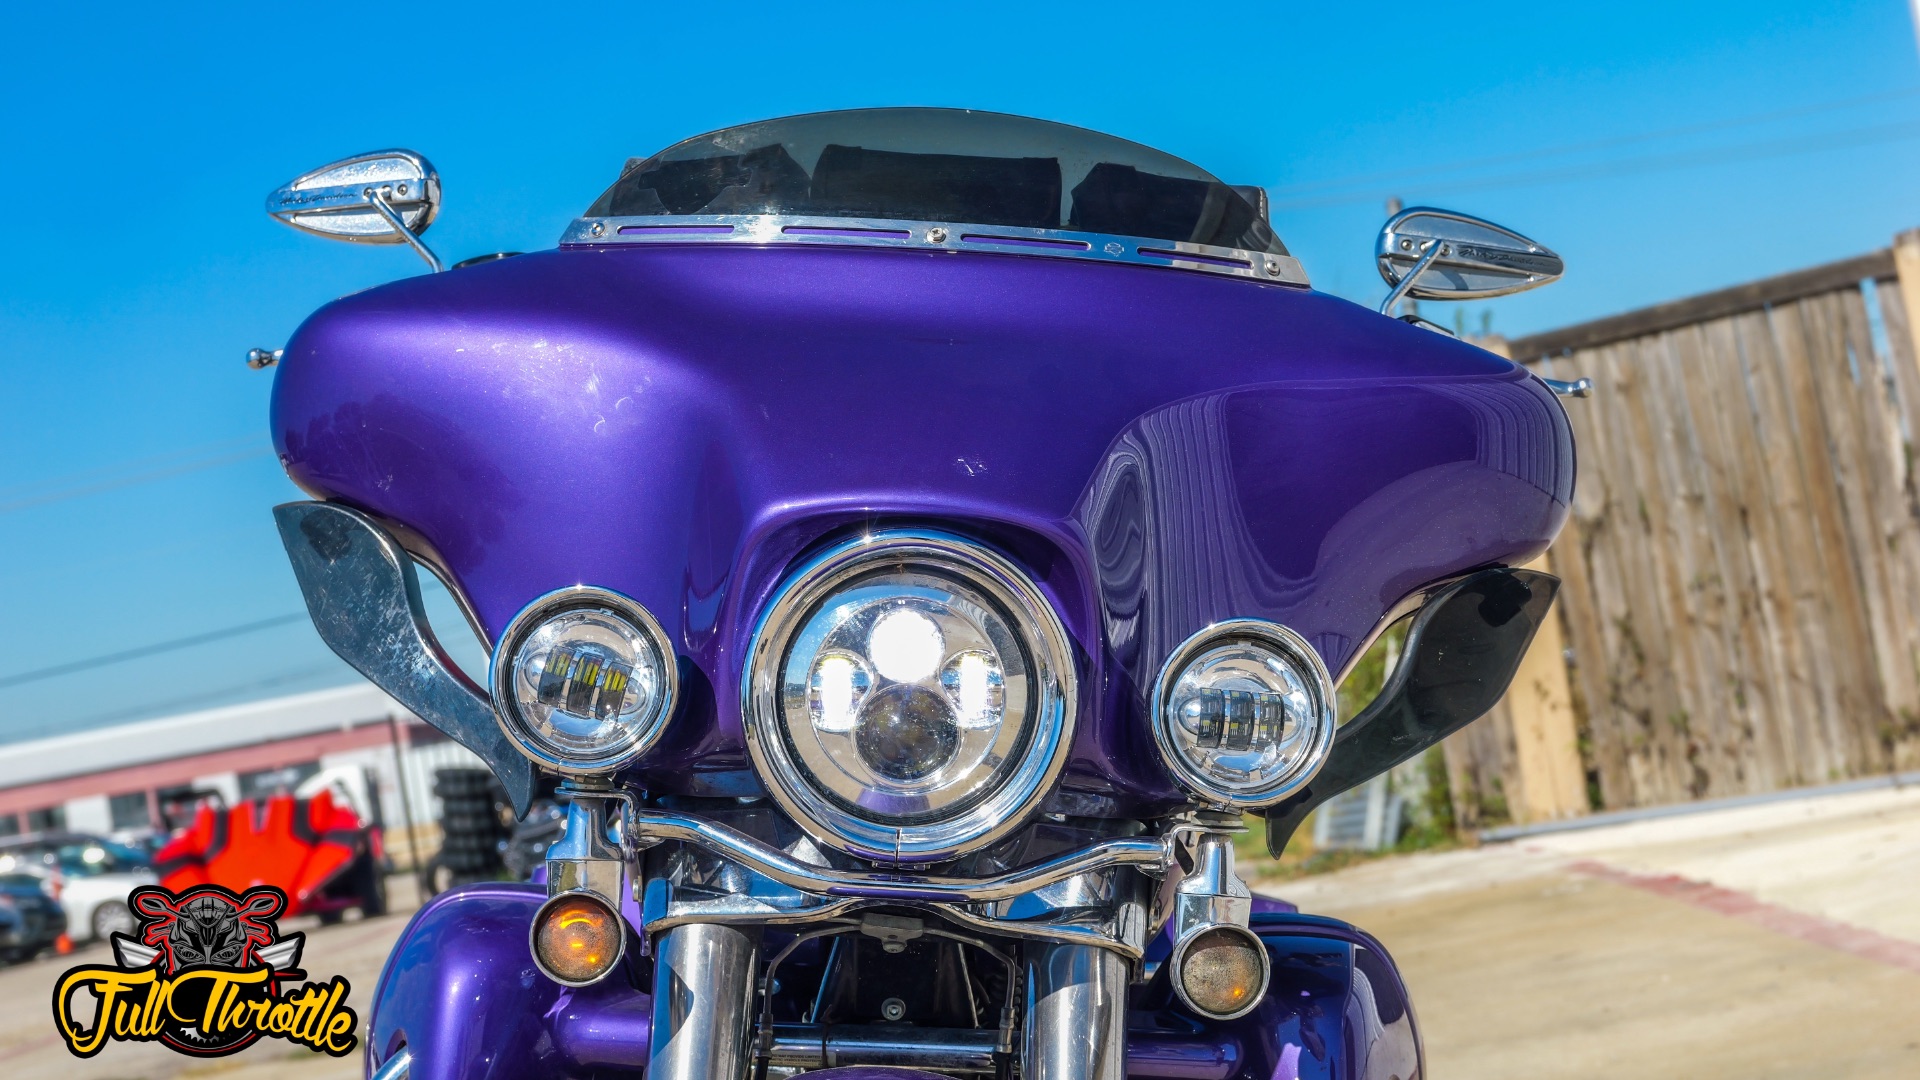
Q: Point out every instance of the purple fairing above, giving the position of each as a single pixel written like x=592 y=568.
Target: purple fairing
x=1162 y=449
x=461 y=993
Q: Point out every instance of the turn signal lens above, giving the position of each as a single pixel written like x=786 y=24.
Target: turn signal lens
x=577 y=939
x=1222 y=972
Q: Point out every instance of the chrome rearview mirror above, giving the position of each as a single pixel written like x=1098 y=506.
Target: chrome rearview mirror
x=1430 y=254
x=386 y=197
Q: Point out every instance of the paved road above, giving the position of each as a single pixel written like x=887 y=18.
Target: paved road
x=1775 y=941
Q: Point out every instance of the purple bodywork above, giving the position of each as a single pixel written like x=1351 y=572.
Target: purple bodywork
x=461 y=992
x=1162 y=449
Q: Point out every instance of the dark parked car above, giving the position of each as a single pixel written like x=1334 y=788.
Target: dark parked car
x=30 y=919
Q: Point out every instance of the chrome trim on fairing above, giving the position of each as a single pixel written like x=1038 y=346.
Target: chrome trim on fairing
x=767 y=229
x=646 y=826
x=364 y=596
x=1054 y=706
x=558 y=602
x=1280 y=638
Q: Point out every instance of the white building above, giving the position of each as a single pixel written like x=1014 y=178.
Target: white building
x=117 y=778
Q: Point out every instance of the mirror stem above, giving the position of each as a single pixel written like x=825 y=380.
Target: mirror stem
x=1431 y=250
x=378 y=198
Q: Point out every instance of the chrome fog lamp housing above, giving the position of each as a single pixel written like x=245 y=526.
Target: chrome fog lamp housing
x=911 y=695
x=584 y=680
x=1244 y=713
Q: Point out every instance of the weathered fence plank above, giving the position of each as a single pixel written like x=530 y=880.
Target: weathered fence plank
x=1742 y=566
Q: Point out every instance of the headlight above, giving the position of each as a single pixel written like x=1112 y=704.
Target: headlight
x=911 y=695
x=1244 y=713
x=583 y=680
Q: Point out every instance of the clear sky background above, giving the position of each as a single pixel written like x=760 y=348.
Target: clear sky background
x=1663 y=149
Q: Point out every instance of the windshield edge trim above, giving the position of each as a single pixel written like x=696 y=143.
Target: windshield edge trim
x=767 y=229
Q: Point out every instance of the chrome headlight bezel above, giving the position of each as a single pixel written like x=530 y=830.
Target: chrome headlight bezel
x=1051 y=712
x=1296 y=649
x=560 y=602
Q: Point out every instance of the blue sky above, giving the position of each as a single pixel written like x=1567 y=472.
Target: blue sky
x=1722 y=142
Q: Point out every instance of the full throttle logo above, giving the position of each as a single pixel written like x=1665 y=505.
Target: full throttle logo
x=207 y=974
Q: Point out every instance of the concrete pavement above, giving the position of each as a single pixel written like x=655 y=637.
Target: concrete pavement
x=1773 y=941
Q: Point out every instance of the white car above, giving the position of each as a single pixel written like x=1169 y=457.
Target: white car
x=90 y=875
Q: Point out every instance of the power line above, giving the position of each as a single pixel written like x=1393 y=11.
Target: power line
x=210 y=695
x=1283 y=191
x=90 y=663
x=1652 y=163
x=98 y=487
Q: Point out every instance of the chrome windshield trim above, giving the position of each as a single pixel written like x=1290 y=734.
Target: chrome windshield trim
x=648 y=825
x=767 y=229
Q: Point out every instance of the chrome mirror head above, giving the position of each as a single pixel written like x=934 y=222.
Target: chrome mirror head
x=1433 y=254
x=385 y=197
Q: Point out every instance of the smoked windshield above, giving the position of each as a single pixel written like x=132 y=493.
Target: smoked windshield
x=943 y=165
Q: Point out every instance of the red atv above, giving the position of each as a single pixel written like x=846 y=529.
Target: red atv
x=317 y=850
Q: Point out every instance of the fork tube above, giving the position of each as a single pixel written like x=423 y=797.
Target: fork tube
x=1076 y=1013
x=702 y=1003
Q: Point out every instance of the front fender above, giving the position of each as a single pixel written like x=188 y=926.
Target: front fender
x=1337 y=1007
x=461 y=993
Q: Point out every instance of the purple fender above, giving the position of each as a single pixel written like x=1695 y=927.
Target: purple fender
x=461 y=993
x=1161 y=449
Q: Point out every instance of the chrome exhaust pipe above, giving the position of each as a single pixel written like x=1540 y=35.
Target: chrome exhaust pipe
x=1076 y=1013
x=703 y=984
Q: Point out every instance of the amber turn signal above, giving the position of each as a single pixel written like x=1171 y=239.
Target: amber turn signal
x=577 y=938
x=1220 y=972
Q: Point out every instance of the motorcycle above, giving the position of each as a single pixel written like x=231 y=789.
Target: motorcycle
x=916 y=540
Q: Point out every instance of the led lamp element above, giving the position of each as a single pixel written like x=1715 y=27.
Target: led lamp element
x=1244 y=713
x=577 y=939
x=583 y=681
x=905 y=645
x=910 y=694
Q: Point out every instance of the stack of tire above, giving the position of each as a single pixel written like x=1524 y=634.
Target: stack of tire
x=471 y=831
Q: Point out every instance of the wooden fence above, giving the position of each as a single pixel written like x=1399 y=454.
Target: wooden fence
x=1742 y=568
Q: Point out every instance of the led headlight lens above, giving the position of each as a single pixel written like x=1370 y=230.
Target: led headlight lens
x=1244 y=713
x=909 y=694
x=583 y=680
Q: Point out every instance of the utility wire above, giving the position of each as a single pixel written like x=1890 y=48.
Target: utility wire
x=100 y=719
x=1421 y=172
x=90 y=663
x=114 y=484
x=1652 y=163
